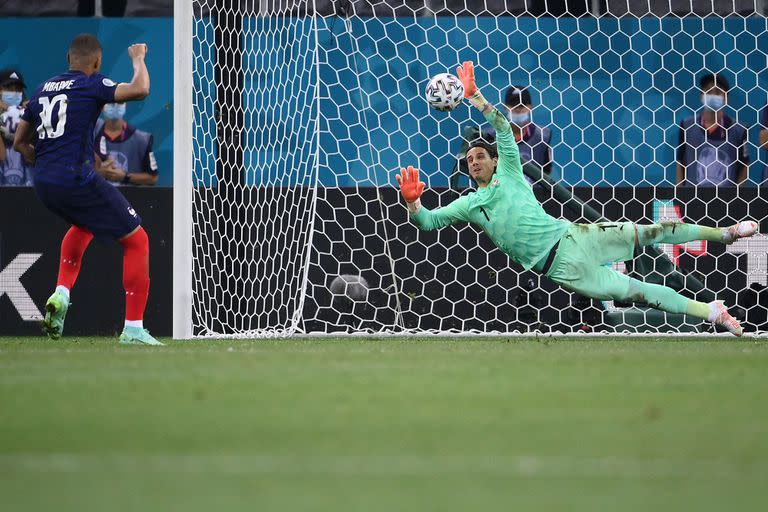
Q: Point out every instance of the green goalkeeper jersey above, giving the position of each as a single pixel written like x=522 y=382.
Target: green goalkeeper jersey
x=506 y=209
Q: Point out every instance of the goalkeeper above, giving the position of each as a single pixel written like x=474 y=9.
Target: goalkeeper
x=572 y=255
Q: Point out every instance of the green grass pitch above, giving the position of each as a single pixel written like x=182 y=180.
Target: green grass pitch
x=566 y=424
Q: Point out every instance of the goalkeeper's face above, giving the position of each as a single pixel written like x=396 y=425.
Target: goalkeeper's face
x=481 y=165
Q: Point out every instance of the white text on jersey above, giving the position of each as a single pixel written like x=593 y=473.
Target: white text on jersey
x=57 y=86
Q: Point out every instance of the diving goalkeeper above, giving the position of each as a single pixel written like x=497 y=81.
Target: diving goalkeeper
x=571 y=255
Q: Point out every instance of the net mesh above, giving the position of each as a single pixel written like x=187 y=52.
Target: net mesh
x=302 y=113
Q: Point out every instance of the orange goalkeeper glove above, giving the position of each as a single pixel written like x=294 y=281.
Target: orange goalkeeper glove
x=410 y=186
x=466 y=74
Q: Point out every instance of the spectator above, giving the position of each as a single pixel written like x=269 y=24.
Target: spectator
x=532 y=140
x=712 y=149
x=764 y=141
x=124 y=154
x=14 y=172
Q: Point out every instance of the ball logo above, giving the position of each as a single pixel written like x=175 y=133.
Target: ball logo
x=108 y=82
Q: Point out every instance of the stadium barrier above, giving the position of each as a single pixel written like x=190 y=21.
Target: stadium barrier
x=30 y=238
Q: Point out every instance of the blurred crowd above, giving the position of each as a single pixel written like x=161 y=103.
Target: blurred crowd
x=712 y=147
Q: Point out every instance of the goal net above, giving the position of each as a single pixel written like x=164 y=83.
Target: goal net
x=293 y=116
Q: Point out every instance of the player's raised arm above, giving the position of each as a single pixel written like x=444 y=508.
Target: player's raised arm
x=505 y=140
x=138 y=89
x=411 y=188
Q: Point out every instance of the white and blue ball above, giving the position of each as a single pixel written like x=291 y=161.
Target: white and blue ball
x=444 y=92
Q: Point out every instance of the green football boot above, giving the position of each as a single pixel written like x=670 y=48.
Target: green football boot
x=55 y=310
x=137 y=336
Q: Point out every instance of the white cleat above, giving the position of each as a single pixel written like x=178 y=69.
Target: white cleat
x=743 y=229
x=724 y=319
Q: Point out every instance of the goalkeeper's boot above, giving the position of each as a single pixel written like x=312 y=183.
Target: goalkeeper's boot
x=55 y=310
x=723 y=318
x=743 y=229
x=137 y=336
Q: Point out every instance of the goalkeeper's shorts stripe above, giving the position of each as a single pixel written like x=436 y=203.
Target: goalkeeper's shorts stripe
x=550 y=258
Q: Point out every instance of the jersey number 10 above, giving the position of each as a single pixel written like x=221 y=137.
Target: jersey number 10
x=46 y=130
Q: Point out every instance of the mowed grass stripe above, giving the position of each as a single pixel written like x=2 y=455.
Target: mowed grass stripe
x=610 y=467
x=385 y=424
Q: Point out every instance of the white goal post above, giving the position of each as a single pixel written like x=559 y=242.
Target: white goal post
x=291 y=117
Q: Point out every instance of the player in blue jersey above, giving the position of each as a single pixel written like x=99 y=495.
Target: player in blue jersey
x=62 y=113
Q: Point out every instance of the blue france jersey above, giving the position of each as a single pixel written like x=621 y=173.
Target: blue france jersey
x=63 y=111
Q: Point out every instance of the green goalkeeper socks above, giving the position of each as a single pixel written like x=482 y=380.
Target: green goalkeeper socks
x=658 y=296
x=666 y=299
x=676 y=233
x=698 y=309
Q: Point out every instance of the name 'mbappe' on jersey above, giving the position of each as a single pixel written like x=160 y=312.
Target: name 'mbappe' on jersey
x=63 y=111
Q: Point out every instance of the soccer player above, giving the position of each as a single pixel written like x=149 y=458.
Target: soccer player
x=63 y=111
x=572 y=255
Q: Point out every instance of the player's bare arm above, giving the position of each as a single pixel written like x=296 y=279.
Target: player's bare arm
x=22 y=142
x=138 y=88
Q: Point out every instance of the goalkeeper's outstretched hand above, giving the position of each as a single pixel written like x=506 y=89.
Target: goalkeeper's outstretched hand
x=410 y=186
x=466 y=74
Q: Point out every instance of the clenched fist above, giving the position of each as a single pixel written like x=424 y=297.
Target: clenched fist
x=137 y=51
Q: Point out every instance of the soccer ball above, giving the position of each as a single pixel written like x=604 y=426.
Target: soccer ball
x=349 y=286
x=444 y=92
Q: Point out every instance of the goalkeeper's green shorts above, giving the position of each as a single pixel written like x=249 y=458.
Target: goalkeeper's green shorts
x=582 y=256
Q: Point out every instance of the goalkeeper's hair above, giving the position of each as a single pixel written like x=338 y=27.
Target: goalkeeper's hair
x=488 y=146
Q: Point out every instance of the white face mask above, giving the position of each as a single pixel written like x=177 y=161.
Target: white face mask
x=713 y=101
x=519 y=120
x=12 y=98
x=114 y=111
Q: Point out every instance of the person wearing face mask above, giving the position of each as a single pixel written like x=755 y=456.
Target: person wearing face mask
x=712 y=149
x=124 y=154
x=532 y=140
x=14 y=171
